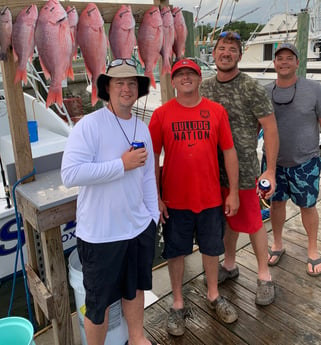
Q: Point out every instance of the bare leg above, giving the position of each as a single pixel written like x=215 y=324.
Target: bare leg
x=230 y=241
x=310 y=221
x=278 y=215
x=96 y=334
x=134 y=314
x=176 y=274
x=260 y=245
x=210 y=264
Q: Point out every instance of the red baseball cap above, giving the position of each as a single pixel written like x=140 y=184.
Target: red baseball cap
x=186 y=63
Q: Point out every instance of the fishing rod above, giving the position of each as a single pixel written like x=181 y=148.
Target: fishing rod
x=5 y=185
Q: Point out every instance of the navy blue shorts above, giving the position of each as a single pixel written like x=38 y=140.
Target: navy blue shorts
x=116 y=270
x=300 y=183
x=208 y=227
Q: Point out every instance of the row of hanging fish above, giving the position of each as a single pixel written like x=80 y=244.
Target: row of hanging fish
x=57 y=33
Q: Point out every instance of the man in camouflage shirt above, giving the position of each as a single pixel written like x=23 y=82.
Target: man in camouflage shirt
x=249 y=108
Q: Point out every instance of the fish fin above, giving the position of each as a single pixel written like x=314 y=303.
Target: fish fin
x=70 y=72
x=94 y=98
x=45 y=71
x=54 y=96
x=21 y=75
x=15 y=55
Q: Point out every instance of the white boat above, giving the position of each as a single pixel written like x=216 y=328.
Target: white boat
x=46 y=153
x=257 y=59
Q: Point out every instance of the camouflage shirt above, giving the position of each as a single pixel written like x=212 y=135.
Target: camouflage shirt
x=245 y=101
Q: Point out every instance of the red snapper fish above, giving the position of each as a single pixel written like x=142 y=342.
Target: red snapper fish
x=54 y=43
x=73 y=21
x=150 y=40
x=168 y=42
x=23 y=40
x=180 y=33
x=92 y=41
x=122 y=37
x=5 y=32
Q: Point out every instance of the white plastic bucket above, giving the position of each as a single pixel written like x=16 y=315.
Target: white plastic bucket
x=117 y=327
x=16 y=331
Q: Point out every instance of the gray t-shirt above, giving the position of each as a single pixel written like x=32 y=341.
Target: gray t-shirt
x=297 y=111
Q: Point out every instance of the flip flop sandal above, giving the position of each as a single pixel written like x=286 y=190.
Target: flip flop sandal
x=313 y=264
x=277 y=253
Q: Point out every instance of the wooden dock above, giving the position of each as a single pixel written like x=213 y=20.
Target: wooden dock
x=294 y=317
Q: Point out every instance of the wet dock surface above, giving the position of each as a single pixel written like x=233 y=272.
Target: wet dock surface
x=294 y=317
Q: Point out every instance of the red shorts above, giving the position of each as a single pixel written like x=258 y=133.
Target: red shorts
x=248 y=218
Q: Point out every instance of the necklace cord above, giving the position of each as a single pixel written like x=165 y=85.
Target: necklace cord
x=122 y=129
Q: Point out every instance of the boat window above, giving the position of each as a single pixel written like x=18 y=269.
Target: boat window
x=267 y=54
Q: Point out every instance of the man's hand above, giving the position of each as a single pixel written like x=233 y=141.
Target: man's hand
x=133 y=159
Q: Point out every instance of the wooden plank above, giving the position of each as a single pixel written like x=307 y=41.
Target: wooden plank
x=33 y=265
x=107 y=9
x=40 y=293
x=47 y=219
x=56 y=282
x=17 y=119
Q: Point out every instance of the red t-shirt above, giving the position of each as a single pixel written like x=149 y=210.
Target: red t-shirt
x=190 y=137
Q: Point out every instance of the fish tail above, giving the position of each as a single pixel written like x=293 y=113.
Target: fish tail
x=152 y=79
x=21 y=75
x=54 y=96
x=166 y=68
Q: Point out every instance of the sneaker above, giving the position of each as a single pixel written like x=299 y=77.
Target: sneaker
x=176 y=321
x=224 y=274
x=224 y=309
x=265 y=292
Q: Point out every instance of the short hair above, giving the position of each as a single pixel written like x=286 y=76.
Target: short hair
x=228 y=37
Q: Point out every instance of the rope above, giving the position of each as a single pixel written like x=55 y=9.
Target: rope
x=19 y=251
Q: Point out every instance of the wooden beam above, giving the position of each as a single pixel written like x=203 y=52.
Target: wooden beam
x=107 y=9
x=40 y=293
x=17 y=119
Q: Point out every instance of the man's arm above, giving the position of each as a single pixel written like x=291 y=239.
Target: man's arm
x=271 y=144
x=232 y=169
x=162 y=207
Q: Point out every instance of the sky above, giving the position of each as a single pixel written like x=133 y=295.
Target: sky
x=266 y=8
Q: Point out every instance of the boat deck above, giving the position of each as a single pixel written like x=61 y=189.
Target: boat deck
x=294 y=317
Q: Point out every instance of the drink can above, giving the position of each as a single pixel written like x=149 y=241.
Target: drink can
x=138 y=145
x=264 y=187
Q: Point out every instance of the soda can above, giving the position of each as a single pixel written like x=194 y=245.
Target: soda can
x=138 y=145
x=264 y=187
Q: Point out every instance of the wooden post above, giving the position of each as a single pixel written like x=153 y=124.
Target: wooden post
x=189 y=47
x=302 y=41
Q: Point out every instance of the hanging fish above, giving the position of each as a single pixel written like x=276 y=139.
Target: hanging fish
x=5 y=32
x=73 y=22
x=168 y=42
x=150 y=40
x=23 y=40
x=92 y=41
x=180 y=33
x=54 y=44
x=122 y=37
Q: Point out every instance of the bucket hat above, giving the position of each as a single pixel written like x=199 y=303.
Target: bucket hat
x=121 y=68
x=186 y=63
x=287 y=46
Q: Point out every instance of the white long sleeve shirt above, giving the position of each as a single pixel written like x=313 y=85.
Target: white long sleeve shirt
x=112 y=204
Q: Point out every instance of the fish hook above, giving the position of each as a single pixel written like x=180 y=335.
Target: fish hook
x=28 y=9
x=4 y=10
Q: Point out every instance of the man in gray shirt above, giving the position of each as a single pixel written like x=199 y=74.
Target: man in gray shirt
x=297 y=106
